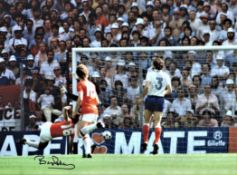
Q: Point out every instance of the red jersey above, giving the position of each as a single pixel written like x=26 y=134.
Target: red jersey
x=63 y=128
x=90 y=98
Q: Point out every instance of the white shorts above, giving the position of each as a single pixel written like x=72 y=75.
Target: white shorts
x=89 y=117
x=45 y=135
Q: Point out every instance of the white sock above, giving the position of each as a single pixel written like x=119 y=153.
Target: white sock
x=88 y=129
x=92 y=142
x=87 y=144
x=32 y=144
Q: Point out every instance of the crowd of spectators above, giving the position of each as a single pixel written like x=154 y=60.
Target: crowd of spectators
x=36 y=38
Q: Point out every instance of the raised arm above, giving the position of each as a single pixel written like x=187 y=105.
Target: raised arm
x=65 y=112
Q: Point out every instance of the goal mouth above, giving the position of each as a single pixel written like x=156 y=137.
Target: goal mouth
x=137 y=60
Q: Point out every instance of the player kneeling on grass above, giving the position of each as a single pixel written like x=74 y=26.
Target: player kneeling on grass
x=157 y=85
x=50 y=130
x=86 y=106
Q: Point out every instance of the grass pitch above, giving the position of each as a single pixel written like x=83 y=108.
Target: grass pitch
x=180 y=164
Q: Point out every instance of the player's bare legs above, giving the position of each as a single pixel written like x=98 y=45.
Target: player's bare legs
x=146 y=129
x=157 y=129
x=85 y=136
x=84 y=129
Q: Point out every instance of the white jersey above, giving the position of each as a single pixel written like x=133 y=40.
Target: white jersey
x=157 y=81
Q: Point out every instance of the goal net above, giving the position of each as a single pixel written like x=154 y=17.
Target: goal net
x=120 y=72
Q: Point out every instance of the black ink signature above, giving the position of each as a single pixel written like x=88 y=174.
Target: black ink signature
x=55 y=163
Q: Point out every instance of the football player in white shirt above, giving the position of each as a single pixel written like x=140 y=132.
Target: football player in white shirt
x=157 y=85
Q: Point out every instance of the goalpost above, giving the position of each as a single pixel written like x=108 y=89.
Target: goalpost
x=174 y=50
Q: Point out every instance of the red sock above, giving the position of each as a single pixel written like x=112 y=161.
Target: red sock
x=145 y=131
x=157 y=135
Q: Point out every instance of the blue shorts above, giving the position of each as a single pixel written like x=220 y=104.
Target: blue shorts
x=154 y=103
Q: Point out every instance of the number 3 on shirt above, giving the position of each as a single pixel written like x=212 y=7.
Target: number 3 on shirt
x=159 y=83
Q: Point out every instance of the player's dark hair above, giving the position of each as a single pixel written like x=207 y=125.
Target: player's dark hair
x=80 y=73
x=158 y=64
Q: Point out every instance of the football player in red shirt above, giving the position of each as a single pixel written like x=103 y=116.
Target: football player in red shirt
x=50 y=130
x=86 y=106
